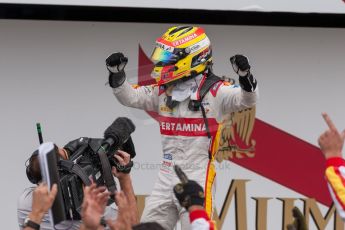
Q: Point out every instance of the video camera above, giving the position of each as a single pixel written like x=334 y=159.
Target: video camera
x=91 y=160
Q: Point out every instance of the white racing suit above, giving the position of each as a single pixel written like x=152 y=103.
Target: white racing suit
x=185 y=142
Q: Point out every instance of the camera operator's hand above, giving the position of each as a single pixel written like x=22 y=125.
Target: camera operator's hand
x=189 y=194
x=94 y=203
x=124 y=159
x=123 y=221
x=42 y=200
x=123 y=164
x=116 y=63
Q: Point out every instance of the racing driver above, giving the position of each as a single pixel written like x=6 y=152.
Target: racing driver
x=191 y=102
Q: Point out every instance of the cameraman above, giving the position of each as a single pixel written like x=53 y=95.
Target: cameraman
x=24 y=206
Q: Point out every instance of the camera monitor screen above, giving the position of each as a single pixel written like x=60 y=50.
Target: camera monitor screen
x=49 y=171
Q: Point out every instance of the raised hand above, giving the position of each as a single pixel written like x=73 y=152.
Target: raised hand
x=123 y=164
x=94 y=203
x=42 y=201
x=124 y=215
x=331 y=141
x=116 y=62
x=240 y=64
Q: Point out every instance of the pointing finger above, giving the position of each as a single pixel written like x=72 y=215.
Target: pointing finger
x=329 y=122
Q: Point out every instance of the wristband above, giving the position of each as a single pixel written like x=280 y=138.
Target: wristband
x=31 y=224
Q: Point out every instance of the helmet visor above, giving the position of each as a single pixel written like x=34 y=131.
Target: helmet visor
x=160 y=55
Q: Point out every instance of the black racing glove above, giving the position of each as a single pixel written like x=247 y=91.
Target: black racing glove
x=299 y=221
x=116 y=63
x=117 y=60
x=189 y=194
x=240 y=63
x=241 y=66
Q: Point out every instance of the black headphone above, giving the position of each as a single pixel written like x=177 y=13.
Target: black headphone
x=35 y=179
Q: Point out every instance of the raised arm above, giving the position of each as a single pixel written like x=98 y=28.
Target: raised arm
x=122 y=171
x=331 y=144
x=94 y=203
x=140 y=97
x=42 y=200
x=233 y=98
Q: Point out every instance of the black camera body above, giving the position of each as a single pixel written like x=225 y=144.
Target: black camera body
x=71 y=184
x=87 y=159
x=90 y=161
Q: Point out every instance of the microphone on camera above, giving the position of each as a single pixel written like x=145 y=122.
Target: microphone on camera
x=115 y=135
x=118 y=133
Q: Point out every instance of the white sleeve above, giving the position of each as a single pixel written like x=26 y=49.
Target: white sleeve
x=140 y=97
x=232 y=98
